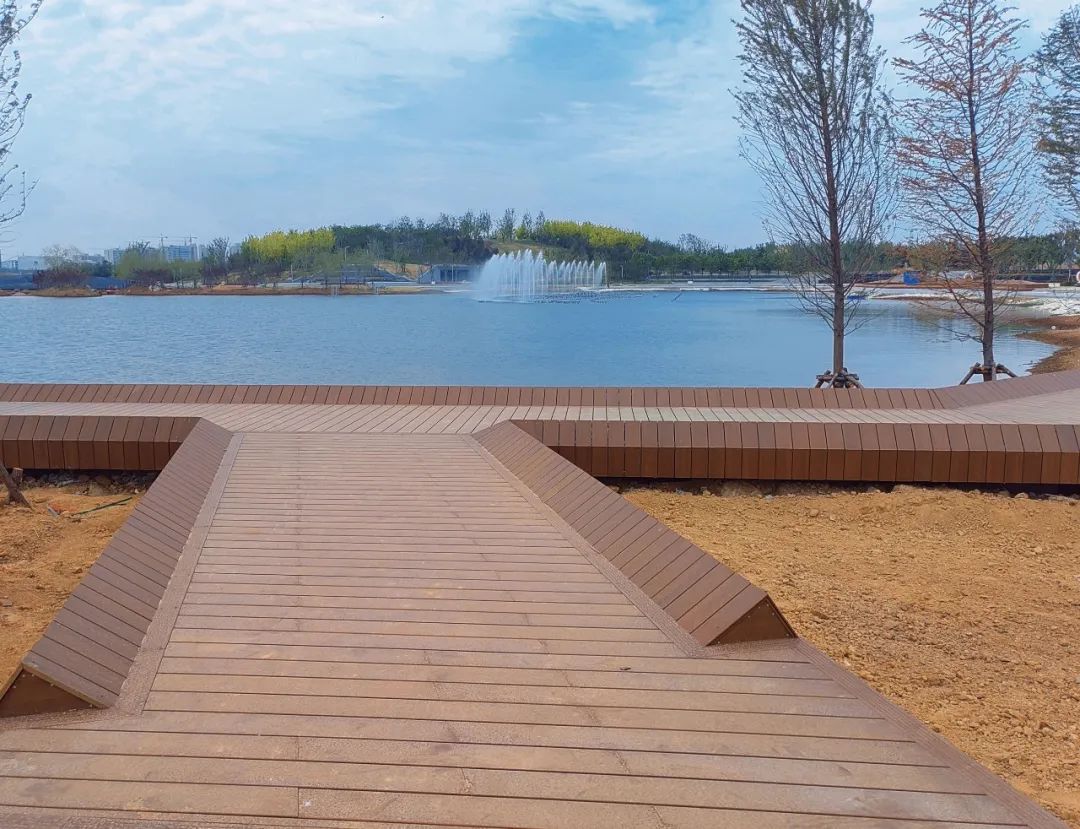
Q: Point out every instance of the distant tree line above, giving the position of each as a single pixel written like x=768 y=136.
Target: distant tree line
x=631 y=256
x=448 y=239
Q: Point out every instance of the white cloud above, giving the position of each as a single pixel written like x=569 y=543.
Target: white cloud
x=263 y=72
x=689 y=110
x=136 y=100
x=209 y=116
x=188 y=54
x=687 y=82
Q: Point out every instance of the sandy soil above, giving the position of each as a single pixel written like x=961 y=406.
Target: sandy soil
x=43 y=557
x=1063 y=332
x=964 y=608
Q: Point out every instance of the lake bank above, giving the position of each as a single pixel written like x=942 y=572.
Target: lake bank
x=230 y=290
x=1050 y=317
x=1062 y=332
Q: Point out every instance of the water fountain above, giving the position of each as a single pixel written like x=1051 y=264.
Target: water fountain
x=526 y=276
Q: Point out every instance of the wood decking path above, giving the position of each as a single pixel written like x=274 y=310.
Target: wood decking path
x=372 y=615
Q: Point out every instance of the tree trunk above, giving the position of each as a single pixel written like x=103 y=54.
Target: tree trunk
x=985 y=257
x=989 y=362
x=838 y=333
x=832 y=204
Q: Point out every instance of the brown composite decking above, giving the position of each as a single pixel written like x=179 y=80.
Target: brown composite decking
x=413 y=613
x=89 y=648
x=1024 y=431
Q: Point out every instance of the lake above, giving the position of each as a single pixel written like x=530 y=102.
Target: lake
x=729 y=338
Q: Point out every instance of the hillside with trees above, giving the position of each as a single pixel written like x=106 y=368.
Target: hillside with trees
x=473 y=238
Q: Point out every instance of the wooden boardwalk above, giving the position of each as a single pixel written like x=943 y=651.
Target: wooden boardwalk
x=383 y=615
x=1024 y=431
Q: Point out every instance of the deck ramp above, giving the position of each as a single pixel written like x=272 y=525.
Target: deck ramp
x=85 y=654
x=391 y=630
x=702 y=595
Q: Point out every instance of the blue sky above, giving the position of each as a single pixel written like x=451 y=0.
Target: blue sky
x=232 y=117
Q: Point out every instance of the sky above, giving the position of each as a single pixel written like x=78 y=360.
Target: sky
x=205 y=118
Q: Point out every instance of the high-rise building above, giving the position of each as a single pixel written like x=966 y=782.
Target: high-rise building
x=188 y=252
x=184 y=250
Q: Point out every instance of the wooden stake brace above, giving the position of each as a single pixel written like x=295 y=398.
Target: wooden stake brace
x=14 y=496
x=844 y=379
x=985 y=373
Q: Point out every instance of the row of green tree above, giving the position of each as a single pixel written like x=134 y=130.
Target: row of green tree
x=631 y=256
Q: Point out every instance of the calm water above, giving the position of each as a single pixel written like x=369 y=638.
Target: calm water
x=729 y=338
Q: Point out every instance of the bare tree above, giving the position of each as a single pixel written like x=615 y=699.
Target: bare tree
x=1058 y=64
x=815 y=127
x=13 y=186
x=58 y=255
x=966 y=154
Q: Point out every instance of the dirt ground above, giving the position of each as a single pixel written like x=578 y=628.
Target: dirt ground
x=43 y=557
x=963 y=608
x=1063 y=332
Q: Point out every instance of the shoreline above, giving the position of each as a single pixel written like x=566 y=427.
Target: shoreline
x=345 y=290
x=1061 y=332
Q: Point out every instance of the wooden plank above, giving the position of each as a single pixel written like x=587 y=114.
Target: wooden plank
x=733 y=451
x=977 y=454
x=958 y=457
x=683 y=466
x=941 y=453
x=923 y=452
x=1014 y=453
x=995 y=453
x=1069 y=441
x=818 y=452
x=1031 y=446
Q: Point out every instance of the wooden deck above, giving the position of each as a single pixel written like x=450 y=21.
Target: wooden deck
x=380 y=614
x=1023 y=431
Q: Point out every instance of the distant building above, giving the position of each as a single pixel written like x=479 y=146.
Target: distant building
x=180 y=253
x=32 y=264
x=446 y=274
x=186 y=251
